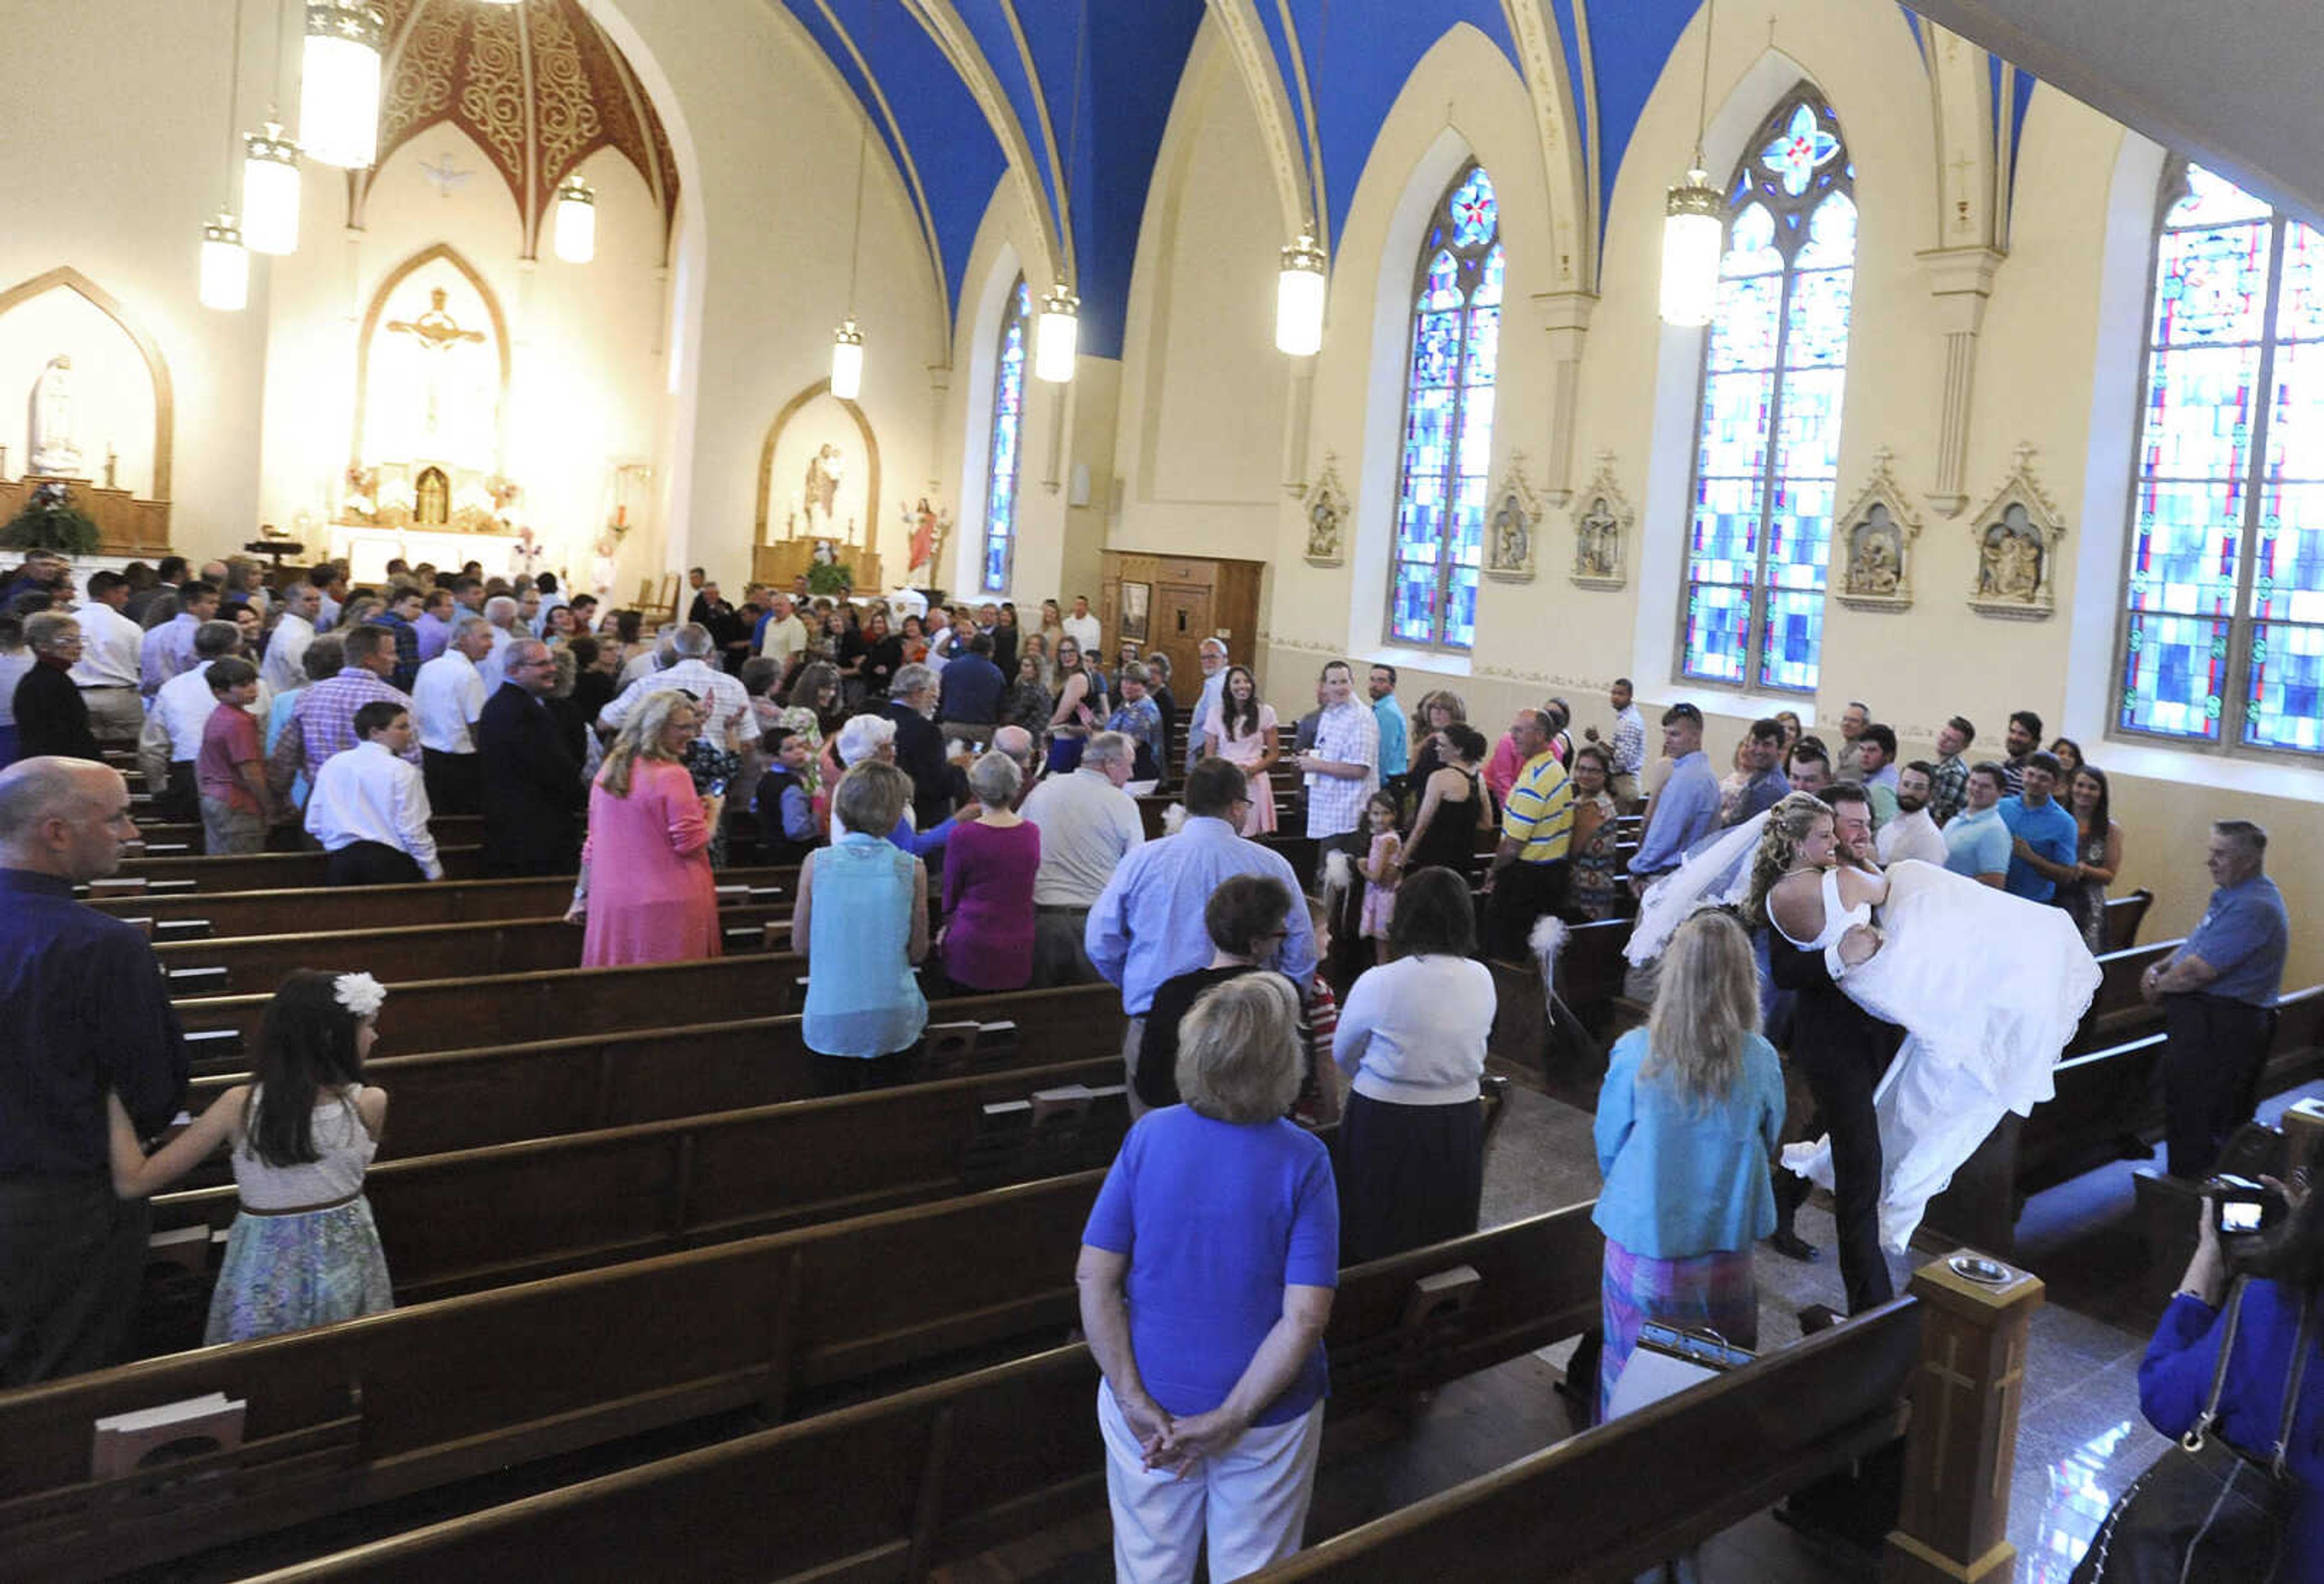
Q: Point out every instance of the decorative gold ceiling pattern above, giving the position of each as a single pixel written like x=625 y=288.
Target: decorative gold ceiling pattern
x=537 y=85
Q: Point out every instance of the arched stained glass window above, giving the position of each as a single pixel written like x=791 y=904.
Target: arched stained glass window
x=1775 y=364
x=1007 y=456
x=1448 y=420
x=2223 y=618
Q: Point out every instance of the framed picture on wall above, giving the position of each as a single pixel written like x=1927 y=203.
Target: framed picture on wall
x=1135 y=600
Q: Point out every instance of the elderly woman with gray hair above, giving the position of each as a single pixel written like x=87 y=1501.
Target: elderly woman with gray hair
x=988 y=866
x=1207 y=1276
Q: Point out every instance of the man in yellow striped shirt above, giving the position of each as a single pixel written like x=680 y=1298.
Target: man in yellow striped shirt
x=1527 y=875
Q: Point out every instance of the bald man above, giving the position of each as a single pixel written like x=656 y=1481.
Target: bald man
x=84 y=1011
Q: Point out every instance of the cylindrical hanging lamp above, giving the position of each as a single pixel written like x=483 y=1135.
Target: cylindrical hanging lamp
x=1299 y=294
x=338 y=87
x=1057 y=335
x=576 y=237
x=225 y=266
x=270 y=191
x=1692 y=235
x=847 y=360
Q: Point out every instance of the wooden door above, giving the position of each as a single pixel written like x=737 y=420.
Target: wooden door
x=1181 y=621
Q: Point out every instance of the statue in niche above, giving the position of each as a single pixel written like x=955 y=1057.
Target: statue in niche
x=55 y=450
x=1512 y=533
x=436 y=332
x=824 y=470
x=2010 y=559
x=432 y=498
x=1598 y=546
x=1876 y=555
x=1322 y=528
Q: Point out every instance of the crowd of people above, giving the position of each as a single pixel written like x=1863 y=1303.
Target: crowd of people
x=959 y=792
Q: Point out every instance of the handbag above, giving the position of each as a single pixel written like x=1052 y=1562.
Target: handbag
x=2206 y=1510
x=1665 y=1360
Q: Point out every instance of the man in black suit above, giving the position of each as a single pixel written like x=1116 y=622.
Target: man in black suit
x=936 y=784
x=531 y=781
x=1841 y=1050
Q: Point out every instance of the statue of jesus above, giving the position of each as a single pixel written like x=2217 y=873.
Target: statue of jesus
x=435 y=331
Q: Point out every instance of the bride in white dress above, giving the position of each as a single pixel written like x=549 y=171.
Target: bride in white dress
x=1988 y=987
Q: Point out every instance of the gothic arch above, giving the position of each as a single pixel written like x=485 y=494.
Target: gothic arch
x=164 y=403
x=386 y=289
x=871 y=459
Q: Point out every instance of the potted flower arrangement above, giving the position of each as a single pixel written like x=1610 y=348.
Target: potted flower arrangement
x=51 y=521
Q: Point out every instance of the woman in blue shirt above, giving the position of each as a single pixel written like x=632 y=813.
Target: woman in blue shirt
x=1206 y=1277
x=1692 y=1107
x=2286 y=1266
x=861 y=920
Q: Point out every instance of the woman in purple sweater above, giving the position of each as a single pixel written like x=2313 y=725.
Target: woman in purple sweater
x=988 y=884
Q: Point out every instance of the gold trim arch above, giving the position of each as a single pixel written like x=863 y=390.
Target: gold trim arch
x=871 y=472
x=164 y=399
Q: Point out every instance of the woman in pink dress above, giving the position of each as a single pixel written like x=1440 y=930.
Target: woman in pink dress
x=646 y=888
x=1243 y=730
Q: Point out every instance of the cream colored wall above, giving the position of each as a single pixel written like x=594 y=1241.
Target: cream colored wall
x=2056 y=368
x=117 y=154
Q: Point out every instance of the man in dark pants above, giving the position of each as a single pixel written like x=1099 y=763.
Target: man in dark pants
x=1841 y=1050
x=531 y=781
x=2218 y=992
x=83 y=1011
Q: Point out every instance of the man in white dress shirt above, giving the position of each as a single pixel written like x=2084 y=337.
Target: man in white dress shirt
x=369 y=807
x=1913 y=833
x=1213 y=653
x=106 y=673
x=285 y=667
x=1083 y=628
x=727 y=717
x=501 y=612
x=448 y=698
x=172 y=739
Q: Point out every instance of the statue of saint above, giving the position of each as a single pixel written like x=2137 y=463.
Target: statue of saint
x=824 y=470
x=1876 y=567
x=55 y=452
x=1599 y=551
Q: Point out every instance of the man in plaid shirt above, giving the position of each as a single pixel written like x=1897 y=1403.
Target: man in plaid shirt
x=1342 y=769
x=322 y=723
x=1949 y=785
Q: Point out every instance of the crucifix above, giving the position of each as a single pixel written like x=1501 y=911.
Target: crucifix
x=435 y=331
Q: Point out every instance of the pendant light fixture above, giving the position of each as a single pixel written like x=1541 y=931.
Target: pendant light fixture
x=339 y=83
x=1691 y=229
x=225 y=264
x=1057 y=333
x=1299 y=294
x=847 y=341
x=575 y=238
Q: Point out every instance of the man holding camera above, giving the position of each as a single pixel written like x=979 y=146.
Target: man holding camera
x=2218 y=992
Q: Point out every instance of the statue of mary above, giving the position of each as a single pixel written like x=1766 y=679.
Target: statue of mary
x=54 y=451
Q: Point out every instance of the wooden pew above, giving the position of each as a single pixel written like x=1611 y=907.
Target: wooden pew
x=450 y=830
x=457 y=1100
x=348 y=1415
x=2123 y=916
x=486 y=1218
x=938 y=1474
x=1589 y=974
x=2117 y=1012
x=490 y=948
x=206 y=915
x=257 y=872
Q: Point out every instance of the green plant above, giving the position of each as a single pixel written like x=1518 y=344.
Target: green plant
x=830 y=577
x=51 y=521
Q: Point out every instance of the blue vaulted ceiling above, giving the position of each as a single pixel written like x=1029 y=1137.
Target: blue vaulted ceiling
x=1086 y=86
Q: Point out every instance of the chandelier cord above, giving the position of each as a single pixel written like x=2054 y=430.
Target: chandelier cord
x=1702 y=104
x=233 y=102
x=855 y=236
x=282 y=25
x=1073 y=128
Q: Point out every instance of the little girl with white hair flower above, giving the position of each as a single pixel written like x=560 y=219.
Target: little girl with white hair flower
x=304 y=1250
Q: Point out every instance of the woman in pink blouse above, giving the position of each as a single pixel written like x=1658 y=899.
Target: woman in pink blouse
x=646 y=888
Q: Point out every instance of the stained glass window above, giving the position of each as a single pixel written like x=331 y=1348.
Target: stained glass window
x=1775 y=368
x=2223 y=601
x=1448 y=420
x=1007 y=435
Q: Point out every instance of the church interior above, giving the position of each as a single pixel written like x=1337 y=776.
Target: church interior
x=1333 y=329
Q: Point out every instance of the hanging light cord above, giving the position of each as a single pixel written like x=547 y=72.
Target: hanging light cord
x=1073 y=127
x=855 y=236
x=1702 y=104
x=282 y=25
x=233 y=102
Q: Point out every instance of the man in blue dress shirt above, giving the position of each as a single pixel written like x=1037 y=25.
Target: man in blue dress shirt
x=2218 y=992
x=1686 y=809
x=1147 y=924
x=84 y=1011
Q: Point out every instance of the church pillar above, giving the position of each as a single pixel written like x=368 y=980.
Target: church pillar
x=1298 y=411
x=1965 y=1393
x=1565 y=315
x=1961 y=280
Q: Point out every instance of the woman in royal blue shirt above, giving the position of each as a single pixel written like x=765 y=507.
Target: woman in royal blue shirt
x=1206 y=1277
x=1693 y=1106
x=2286 y=1265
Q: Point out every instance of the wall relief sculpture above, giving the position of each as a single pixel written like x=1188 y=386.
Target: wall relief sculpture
x=2017 y=537
x=1602 y=521
x=1512 y=525
x=1327 y=515
x=1875 y=538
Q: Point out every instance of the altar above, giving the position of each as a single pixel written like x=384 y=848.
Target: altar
x=368 y=548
